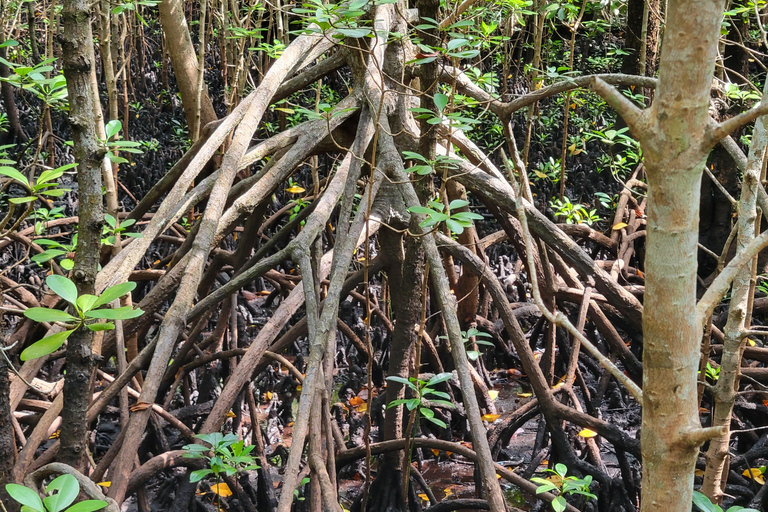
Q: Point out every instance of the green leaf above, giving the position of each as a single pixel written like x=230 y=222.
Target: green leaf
x=559 y=504
x=45 y=346
x=101 y=327
x=25 y=496
x=123 y=313
x=454 y=226
x=14 y=174
x=114 y=292
x=703 y=502
x=439 y=423
x=49 y=315
x=198 y=475
x=47 y=255
x=440 y=377
x=457 y=203
x=112 y=128
x=544 y=485
x=62 y=287
x=405 y=381
x=87 y=506
x=85 y=302
x=68 y=488
x=49 y=175
x=22 y=200
x=441 y=101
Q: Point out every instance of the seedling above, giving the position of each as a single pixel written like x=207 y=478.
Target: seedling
x=66 y=489
x=566 y=485
x=88 y=309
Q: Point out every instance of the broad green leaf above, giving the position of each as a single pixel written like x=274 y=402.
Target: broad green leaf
x=123 y=313
x=112 y=128
x=22 y=200
x=114 y=292
x=559 y=504
x=441 y=101
x=68 y=488
x=405 y=381
x=439 y=423
x=454 y=226
x=457 y=203
x=440 y=377
x=87 y=506
x=421 y=209
x=703 y=502
x=49 y=315
x=45 y=346
x=85 y=302
x=198 y=475
x=62 y=287
x=47 y=255
x=50 y=174
x=14 y=174
x=25 y=496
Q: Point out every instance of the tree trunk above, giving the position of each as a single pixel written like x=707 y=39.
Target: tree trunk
x=675 y=147
x=184 y=62
x=78 y=58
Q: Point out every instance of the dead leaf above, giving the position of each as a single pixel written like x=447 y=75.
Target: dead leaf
x=490 y=418
x=295 y=189
x=620 y=225
x=140 y=406
x=587 y=433
x=221 y=489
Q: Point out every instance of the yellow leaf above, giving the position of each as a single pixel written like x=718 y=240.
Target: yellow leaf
x=493 y=394
x=436 y=452
x=448 y=492
x=755 y=474
x=424 y=497
x=751 y=342
x=498 y=476
x=362 y=407
x=55 y=435
x=285 y=110
x=221 y=489
x=268 y=395
x=491 y=417
x=231 y=414
x=104 y=484
x=295 y=189
x=540 y=174
x=698 y=472
x=525 y=395
x=587 y=433
x=620 y=225
x=298 y=388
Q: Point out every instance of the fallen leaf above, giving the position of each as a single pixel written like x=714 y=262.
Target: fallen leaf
x=424 y=497
x=755 y=474
x=525 y=395
x=587 y=433
x=494 y=394
x=698 y=472
x=268 y=395
x=448 y=492
x=221 y=489
x=104 y=484
x=490 y=418
x=620 y=225
x=295 y=189
x=140 y=406
x=751 y=342
x=231 y=414
x=55 y=435
x=356 y=400
x=362 y=407
x=436 y=452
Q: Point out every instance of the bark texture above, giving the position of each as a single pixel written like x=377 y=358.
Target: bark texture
x=77 y=49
